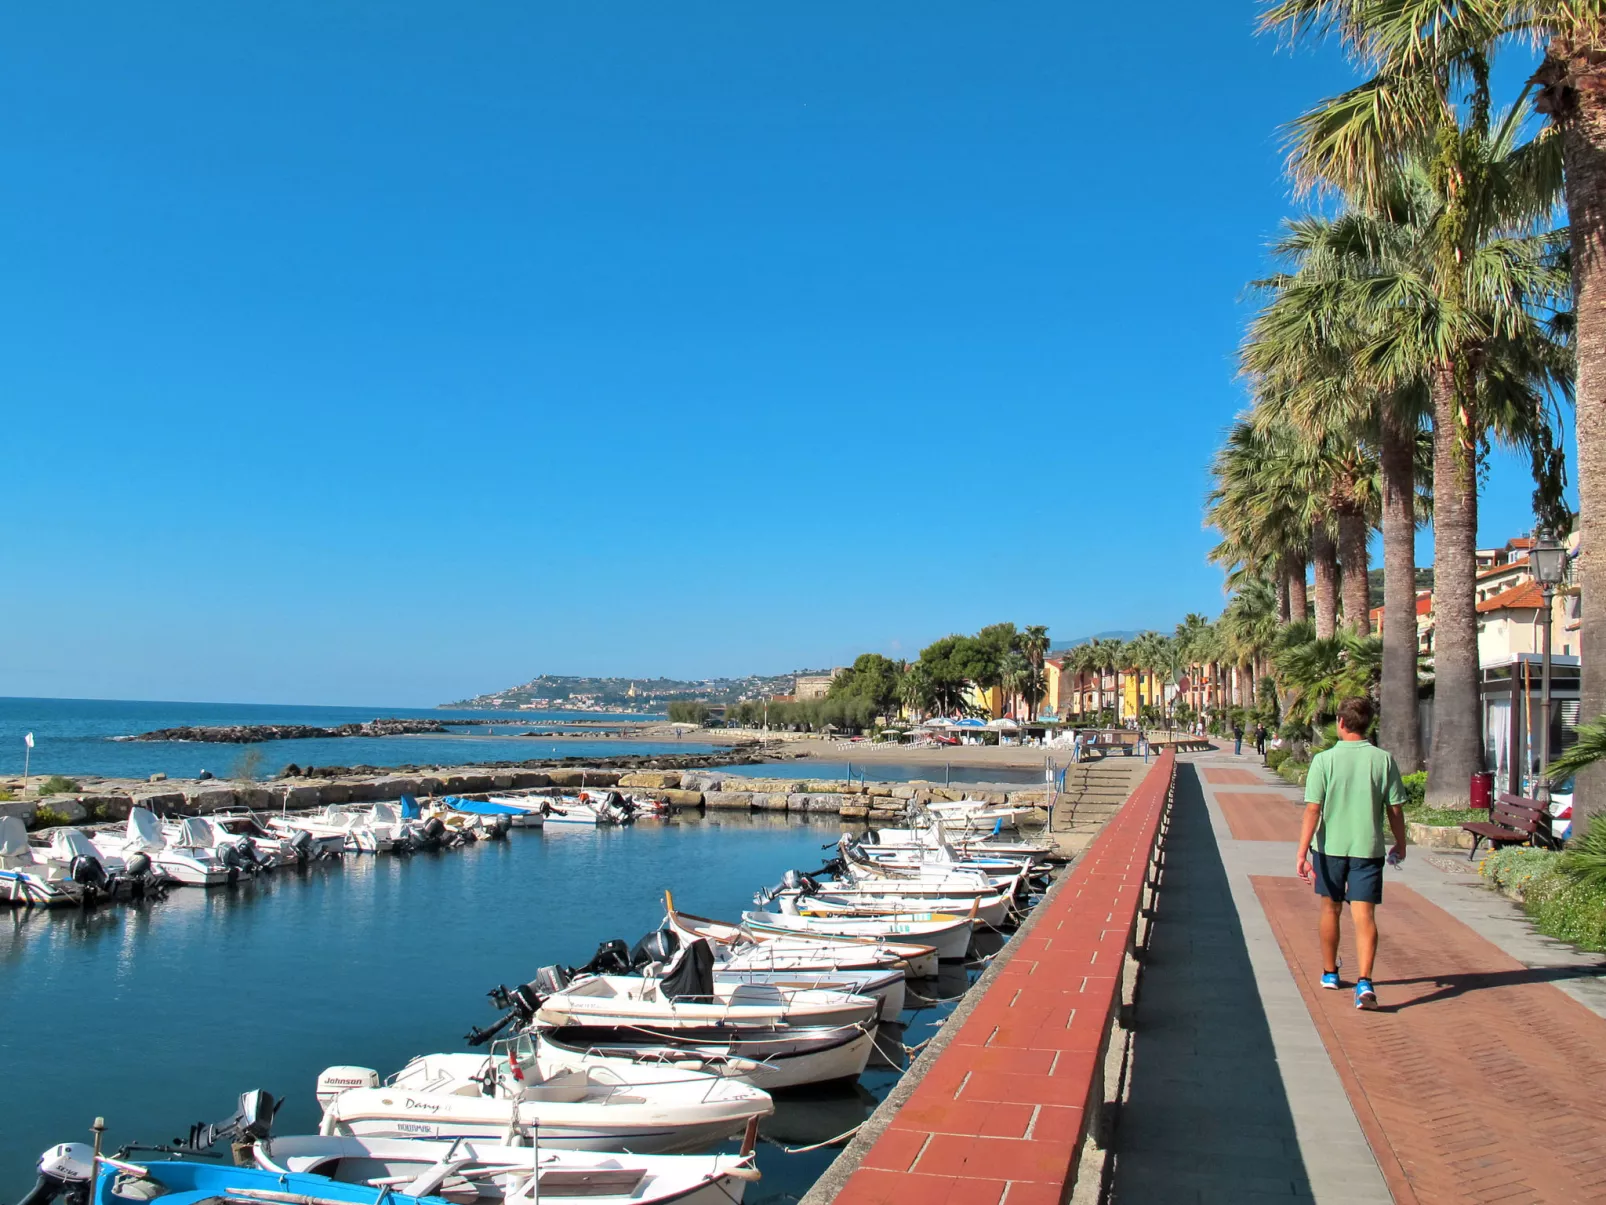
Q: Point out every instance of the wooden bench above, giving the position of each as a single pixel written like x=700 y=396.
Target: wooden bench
x=1512 y=821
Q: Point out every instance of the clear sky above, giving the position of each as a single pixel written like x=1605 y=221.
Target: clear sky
x=390 y=353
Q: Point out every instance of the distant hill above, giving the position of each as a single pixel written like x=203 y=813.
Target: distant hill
x=647 y=695
x=1060 y=646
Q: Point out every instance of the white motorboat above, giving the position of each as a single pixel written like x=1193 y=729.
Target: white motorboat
x=188 y=865
x=589 y=808
x=522 y=1092
x=534 y=808
x=773 y=1060
x=199 y=832
x=657 y=1005
x=377 y=828
x=884 y=986
x=738 y=947
x=284 y=848
x=976 y=814
x=464 y=1172
x=994 y=910
x=964 y=844
x=29 y=877
x=949 y=933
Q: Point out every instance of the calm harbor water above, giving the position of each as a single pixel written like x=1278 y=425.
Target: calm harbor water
x=158 y=1015
x=78 y=736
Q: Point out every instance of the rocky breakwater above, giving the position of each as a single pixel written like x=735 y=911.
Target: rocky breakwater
x=875 y=803
x=251 y=734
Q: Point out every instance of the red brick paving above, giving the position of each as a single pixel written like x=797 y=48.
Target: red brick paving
x=1261 y=816
x=1475 y=1081
x=1003 y=1107
x=1233 y=778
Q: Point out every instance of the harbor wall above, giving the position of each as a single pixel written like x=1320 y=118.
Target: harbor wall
x=879 y=802
x=1012 y=1100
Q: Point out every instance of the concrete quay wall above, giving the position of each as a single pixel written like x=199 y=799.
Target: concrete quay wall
x=1011 y=1101
x=882 y=802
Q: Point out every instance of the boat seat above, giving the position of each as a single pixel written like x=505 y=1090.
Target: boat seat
x=565 y=1086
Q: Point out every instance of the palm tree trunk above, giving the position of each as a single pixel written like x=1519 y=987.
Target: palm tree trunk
x=1325 y=555
x=1282 y=594
x=1298 y=597
x=1457 y=751
x=1399 y=729
x=1584 y=150
x=1352 y=537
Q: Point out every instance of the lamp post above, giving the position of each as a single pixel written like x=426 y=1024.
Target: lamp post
x=1549 y=565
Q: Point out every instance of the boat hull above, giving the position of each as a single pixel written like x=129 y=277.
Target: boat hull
x=774 y=1062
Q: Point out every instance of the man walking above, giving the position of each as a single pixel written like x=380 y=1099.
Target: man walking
x=1260 y=739
x=1347 y=791
x=1237 y=738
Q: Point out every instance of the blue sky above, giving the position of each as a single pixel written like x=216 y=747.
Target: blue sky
x=390 y=353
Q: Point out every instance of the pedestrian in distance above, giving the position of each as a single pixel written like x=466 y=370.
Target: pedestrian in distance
x=1349 y=789
x=1238 y=738
x=1260 y=739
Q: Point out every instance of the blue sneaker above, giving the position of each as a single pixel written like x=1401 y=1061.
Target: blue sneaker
x=1330 y=981
x=1365 y=997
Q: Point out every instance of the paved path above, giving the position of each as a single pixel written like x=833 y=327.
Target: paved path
x=1482 y=1078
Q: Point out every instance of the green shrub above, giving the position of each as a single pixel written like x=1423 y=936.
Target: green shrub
x=48 y=817
x=1416 y=788
x=6 y=796
x=1569 y=910
x=1515 y=867
x=1276 y=757
x=1294 y=771
x=57 y=785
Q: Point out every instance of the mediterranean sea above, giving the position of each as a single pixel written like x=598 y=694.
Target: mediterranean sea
x=80 y=736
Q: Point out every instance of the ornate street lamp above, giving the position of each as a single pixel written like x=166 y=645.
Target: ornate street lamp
x=1549 y=560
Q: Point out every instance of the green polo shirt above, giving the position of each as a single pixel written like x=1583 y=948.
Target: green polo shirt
x=1353 y=781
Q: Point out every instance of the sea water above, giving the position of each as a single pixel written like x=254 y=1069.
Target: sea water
x=82 y=736
x=158 y=1015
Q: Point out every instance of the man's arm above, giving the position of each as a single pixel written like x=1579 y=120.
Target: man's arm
x=1315 y=794
x=1396 y=811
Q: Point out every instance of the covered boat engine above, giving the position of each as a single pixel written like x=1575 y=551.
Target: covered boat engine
x=613 y=957
x=433 y=834
x=66 y=1172
x=691 y=975
x=229 y=857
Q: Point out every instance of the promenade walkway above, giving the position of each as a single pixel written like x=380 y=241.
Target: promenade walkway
x=1482 y=1078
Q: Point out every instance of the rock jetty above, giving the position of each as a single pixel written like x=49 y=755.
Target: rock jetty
x=251 y=734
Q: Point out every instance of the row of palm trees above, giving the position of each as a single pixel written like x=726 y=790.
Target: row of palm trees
x=1424 y=312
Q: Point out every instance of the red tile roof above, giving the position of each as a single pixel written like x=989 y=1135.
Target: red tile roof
x=1424 y=606
x=1505 y=568
x=1528 y=596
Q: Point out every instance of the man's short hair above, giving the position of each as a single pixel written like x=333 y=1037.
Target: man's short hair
x=1357 y=714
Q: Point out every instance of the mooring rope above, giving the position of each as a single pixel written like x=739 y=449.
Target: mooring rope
x=842 y=1137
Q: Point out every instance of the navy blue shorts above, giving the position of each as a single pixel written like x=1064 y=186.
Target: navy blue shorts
x=1358 y=880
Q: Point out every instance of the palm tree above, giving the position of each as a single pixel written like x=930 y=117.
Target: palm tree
x=1034 y=644
x=1490 y=192
x=1014 y=670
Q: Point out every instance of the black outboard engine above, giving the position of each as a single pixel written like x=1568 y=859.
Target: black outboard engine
x=252 y=1122
x=691 y=975
x=520 y=1002
x=249 y=858
x=627 y=806
x=229 y=857
x=66 y=1173
x=502 y=827
x=142 y=880
x=91 y=875
x=659 y=946
x=613 y=957
x=301 y=845
x=432 y=834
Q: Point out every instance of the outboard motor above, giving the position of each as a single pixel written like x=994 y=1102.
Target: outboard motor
x=300 y=843
x=142 y=880
x=91 y=875
x=66 y=1171
x=520 y=1002
x=251 y=1123
x=659 y=946
x=501 y=827
x=249 y=858
x=613 y=957
x=432 y=834
x=229 y=857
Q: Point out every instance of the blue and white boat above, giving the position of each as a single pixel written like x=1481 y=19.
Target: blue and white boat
x=518 y=817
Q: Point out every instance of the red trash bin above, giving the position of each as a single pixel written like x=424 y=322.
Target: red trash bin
x=1483 y=789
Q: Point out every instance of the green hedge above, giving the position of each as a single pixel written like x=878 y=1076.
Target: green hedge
x=1294 y=771
x=1416 y=788
x=1559 y=905
x=1276 y=757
